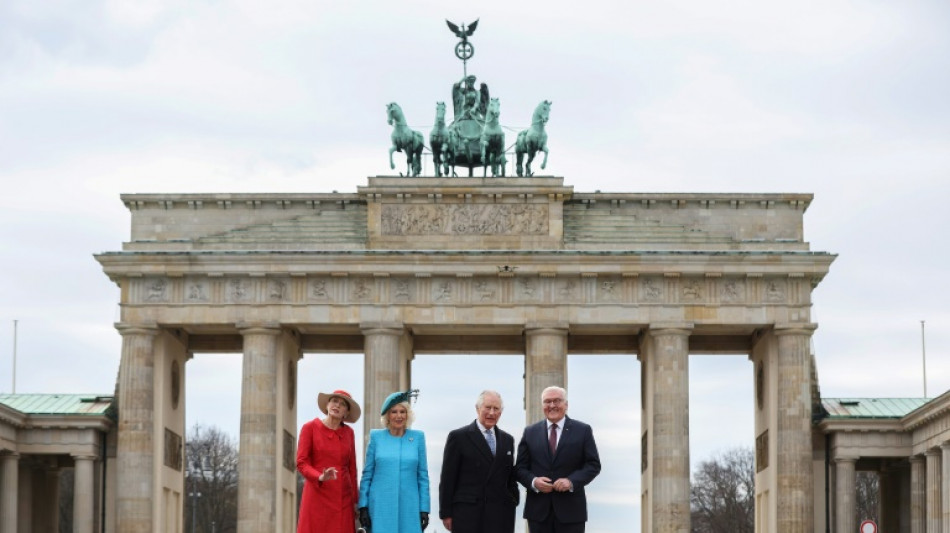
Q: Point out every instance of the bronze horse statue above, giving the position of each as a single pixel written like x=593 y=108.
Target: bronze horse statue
x=404 y=140
x=533 y=139
x=439 y=141
x=493 y=141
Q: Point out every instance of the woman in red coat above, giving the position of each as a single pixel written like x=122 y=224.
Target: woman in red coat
x=326 y=457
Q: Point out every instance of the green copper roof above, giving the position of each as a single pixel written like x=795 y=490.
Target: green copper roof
x=58 y=404
x=843 y=408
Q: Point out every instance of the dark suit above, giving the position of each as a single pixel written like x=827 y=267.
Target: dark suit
x=477 y=491
x=576 y=459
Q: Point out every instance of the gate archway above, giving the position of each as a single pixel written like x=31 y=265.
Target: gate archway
x=513 y=265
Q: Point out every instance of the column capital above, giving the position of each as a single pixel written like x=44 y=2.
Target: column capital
x=915 y=459
x=846 y=459
x=546 y=328
x=149 y=328
x=258 y=328
x=945 y=447
x=795 y=328
x=933 y=452
x=9 y=454
x=383 y=328
x=84 y=457
x=670 y=328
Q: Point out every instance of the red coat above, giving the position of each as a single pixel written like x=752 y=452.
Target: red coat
x=327 y=506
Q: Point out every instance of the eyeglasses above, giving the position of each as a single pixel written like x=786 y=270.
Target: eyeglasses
x=553 y=401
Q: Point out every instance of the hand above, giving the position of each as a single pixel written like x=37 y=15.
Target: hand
x=424 y=519
x=447 y=523
x=365 y=522
x=563 y=485
x=328 y=474
x=543 y=484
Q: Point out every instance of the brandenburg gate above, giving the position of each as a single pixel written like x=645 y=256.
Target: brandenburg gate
x=501 y=265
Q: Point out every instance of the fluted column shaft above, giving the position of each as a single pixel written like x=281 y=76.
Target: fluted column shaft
x=135 y=482
x=670 y=367
x=944 y=480
x=793 y=436
x=934 y=483
x=383 y=368
x=545 y=365
x=257 y=462
x=845 y=494
x=83 y=491
x=9 y=487
x=918 y=495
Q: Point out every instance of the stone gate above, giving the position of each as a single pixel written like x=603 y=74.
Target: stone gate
x=499 y=265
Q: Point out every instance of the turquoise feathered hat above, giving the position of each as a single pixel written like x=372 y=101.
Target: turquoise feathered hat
x=396 y=398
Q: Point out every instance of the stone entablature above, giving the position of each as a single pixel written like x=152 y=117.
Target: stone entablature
x=468 y=214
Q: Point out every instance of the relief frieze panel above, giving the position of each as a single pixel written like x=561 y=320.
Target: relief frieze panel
x=401 y=290
x=319 y=289
x=464 y=219
x=775 y=290
x=692 y=290
x=278 y=290
x=732 y=291
x=361 y=289
x=652 y=290
x=609 y=290
x=484 y=290
x=239 y=290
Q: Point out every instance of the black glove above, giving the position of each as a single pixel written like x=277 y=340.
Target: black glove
x=365 y=522
x=424 y=518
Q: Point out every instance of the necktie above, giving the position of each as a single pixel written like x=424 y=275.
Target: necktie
x=552 y=439
x=491 y=440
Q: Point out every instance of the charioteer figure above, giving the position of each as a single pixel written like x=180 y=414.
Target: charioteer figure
x=468 y=102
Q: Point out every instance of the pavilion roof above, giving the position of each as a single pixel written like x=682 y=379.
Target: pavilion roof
x=845 y=408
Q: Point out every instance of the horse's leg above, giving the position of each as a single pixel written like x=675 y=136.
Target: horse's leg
x=391 y=150
x=437 y=161
x=545 y=162
x=527 y=165
x=519 y=156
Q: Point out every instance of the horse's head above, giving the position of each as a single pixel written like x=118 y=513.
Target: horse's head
x=542 y=112
x=493 y=111
x=440 y=110
x=393 y=113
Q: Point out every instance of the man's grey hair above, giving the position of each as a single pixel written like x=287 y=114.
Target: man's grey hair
x=481 y=398
x=555 y=387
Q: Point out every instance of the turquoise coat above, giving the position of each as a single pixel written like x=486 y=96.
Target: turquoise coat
x=395 y=482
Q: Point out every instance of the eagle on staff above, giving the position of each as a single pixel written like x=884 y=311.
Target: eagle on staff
x=463 y=33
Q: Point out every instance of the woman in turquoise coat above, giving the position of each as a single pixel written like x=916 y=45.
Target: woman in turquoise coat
x=394 y=489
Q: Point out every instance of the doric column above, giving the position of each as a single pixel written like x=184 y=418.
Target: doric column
x=944 y=489
x=844 y=494
x=257 y=462
x=794 y=479
x=918 y=495
x=385 y=369
x=545 y=365
x=9 y=487
x=83 y=491
x=668 y=365
x=135 y=448
x=934 y=498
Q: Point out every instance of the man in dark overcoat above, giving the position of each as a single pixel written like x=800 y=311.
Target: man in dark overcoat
x=478 y=491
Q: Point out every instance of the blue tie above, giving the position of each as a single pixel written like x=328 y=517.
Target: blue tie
x=491 y=440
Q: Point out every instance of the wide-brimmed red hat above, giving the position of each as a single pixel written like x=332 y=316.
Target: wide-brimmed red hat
x=352 y=415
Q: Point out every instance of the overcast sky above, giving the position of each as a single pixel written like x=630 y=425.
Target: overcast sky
x=846 y=100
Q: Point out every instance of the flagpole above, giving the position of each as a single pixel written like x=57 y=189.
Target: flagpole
x=923 y=352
